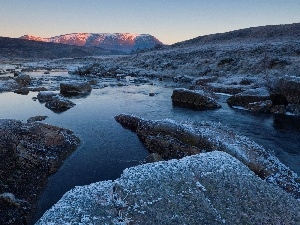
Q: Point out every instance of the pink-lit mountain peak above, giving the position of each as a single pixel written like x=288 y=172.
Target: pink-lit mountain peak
x=116 y=41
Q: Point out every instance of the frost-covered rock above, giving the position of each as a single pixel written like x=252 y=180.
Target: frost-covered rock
x=289 y=86
x=211 y=188
x=75 y=88
x=23 y=79
x=199 y=99
x=59 y=104
x=249 y=96
x=261 y=106
x=45 y=96
x=172 y=139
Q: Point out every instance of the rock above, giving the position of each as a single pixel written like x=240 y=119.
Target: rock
x=262 y=106
x=249 y=96
x=212 y=188
x=23 y=79
x=289 y=86
x=153 y=157
x=278 y=99
x=171 y=139
x=22 y=91
x=141 y=80
x=75 y=88
x=59 y=104
x=36 y=118
x=199 y=100
x=37 y=89
x=293 y=109
x=45 y=96
x=183 y=79
x=93 y=82
x=29 y=153
x=278 y=109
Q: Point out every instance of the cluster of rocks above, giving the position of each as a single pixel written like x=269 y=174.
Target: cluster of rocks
x=29 y=153
x=282 y=97
x=171 y=139
x=54 y=101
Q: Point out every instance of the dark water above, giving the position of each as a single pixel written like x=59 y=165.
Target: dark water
x=107 y=149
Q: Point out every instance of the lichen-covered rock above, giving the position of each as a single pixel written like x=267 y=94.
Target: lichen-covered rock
x=29 y=153
x=59 y=104
x=211 y=188
x=172 y=139
x=199 y=99
x=249 y=96
x=75 y=88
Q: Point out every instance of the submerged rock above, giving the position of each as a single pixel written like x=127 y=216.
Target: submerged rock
x=171 y=139
x=199 y=100
x=75 y=88
x=29 y=153
x=212 y=188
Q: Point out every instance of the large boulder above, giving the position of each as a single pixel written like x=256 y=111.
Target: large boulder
x=29 y=153
x=172 y=139
x=75 y=88
x=249 y=96
x=199 y=99
x=211 y=188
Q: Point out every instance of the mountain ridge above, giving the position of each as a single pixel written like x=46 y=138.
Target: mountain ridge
x=125 y=42
x=266 y=32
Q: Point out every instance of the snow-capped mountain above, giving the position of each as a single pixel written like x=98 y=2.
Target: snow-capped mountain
x=117 y=41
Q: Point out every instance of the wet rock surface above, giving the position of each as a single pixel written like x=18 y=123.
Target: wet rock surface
x=172 y=139
x=198 y=99
x=59 y=103
x=29 y=153
x=210 y=188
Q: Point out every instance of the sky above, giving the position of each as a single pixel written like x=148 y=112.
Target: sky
x=168 y=20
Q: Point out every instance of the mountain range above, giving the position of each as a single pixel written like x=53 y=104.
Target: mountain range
x=125 y=42
x=11 y=48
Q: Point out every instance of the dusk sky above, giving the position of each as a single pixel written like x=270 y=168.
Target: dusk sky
x=168 y=20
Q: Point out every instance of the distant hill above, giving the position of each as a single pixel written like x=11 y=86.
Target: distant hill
x=19 y=48
x=269 y=32
x=125 y=42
